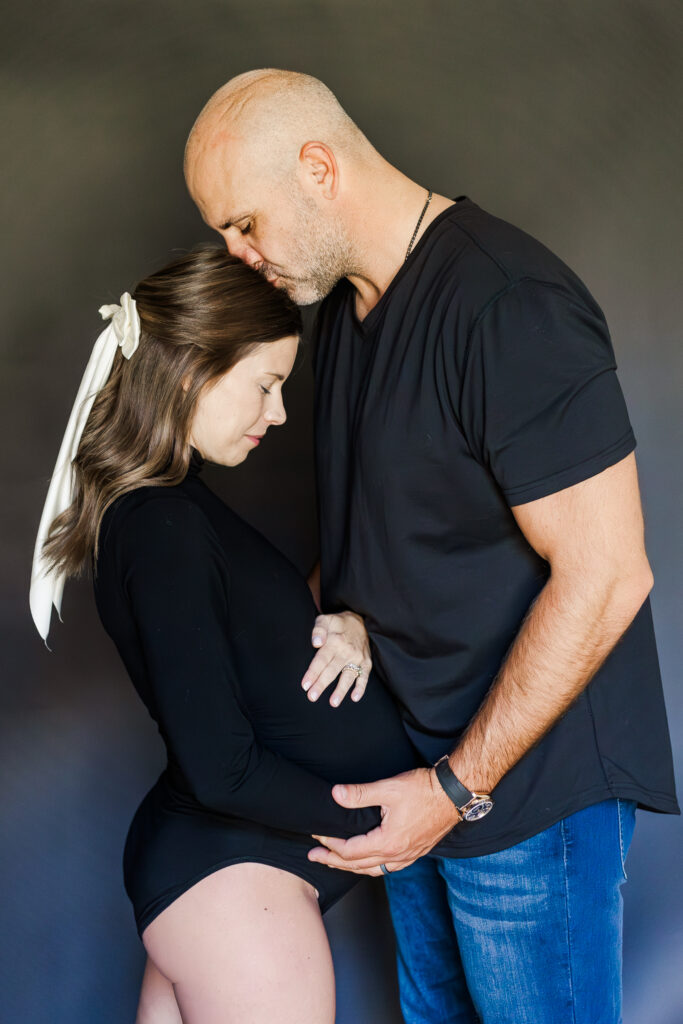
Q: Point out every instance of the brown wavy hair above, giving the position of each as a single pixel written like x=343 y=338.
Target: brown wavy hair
x=199 y=315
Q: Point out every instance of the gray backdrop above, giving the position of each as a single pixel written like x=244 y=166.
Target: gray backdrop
x=558 y=117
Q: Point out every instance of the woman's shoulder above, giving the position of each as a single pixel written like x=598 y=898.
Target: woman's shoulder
x=157 y=518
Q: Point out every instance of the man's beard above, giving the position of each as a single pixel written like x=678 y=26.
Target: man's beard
x=320 y=252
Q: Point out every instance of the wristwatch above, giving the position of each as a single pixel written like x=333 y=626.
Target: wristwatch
x=472 y=806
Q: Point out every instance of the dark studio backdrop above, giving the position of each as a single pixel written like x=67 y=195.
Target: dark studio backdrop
x=561 y=118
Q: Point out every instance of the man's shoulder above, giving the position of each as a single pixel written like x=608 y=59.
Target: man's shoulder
x=492 y=254
x=473 y=256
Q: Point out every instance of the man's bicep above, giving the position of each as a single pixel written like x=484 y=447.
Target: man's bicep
x=592 y=524
x=541 y=406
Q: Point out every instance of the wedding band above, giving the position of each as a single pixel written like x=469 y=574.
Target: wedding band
x=356 y=668
x=385 y=869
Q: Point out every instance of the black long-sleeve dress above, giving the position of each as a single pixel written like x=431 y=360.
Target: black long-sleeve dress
x=214 y=626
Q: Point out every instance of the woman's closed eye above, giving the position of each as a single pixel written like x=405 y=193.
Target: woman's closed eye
x=264 y=389
x=245 y=230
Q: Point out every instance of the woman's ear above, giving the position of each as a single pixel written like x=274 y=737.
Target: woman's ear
x=185 y=382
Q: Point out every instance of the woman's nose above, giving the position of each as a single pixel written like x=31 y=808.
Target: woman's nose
x=276 y=413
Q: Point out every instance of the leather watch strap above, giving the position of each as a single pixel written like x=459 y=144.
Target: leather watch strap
x=454 y=789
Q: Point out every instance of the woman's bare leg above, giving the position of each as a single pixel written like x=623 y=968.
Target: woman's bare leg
x=246 y=945
x=157 y=1003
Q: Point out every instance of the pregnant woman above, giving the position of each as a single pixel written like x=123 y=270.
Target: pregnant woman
x=214 y=627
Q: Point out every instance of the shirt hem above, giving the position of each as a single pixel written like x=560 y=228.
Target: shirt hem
x=662 y=803
x=573 y=474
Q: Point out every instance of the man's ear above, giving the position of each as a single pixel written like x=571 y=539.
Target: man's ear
x=319 y=168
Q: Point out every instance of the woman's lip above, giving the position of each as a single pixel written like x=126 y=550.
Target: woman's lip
x=255 y=438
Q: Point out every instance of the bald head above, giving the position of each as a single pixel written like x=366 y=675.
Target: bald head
x=275 y=166
x=273 y=113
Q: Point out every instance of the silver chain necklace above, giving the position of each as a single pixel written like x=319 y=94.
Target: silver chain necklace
x=417 y=226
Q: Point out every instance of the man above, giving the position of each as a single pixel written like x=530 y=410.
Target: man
x=479 y=508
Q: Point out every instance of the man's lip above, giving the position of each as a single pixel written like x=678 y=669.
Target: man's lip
x=268 y=276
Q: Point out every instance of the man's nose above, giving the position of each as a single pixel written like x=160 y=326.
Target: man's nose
x=238 y=246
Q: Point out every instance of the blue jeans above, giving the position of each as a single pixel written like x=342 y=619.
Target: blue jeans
x=530 y=935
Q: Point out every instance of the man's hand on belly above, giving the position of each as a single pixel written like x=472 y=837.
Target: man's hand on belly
x=341 y=639
x=416 y=814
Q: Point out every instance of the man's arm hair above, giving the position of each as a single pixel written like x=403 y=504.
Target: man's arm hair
x=592 y=536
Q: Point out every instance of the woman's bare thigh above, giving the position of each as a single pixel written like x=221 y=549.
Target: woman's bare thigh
x=246 y=945
x=157 y=1003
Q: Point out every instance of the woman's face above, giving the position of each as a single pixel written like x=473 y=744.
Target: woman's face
x=234 y=412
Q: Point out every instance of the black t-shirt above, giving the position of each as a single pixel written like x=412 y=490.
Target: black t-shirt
x=483 y=378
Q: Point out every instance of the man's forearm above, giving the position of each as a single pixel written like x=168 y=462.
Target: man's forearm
x=567 y=634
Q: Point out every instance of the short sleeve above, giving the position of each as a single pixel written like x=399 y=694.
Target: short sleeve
x=541 y=406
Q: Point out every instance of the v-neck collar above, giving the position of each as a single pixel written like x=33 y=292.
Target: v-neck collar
x=365 y=326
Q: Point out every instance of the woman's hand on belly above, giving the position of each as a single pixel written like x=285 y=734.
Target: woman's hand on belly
x=343 y=642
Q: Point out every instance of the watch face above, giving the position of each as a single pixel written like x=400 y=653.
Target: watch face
x=477 y=808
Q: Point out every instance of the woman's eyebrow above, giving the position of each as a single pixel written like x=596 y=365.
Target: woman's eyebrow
x=270 y=373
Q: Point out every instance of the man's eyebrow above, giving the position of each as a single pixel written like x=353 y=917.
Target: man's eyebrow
x=233 y=220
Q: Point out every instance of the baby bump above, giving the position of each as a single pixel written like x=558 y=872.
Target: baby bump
x=358 y=741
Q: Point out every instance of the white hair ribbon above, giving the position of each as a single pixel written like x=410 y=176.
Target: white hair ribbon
x=47 y=586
